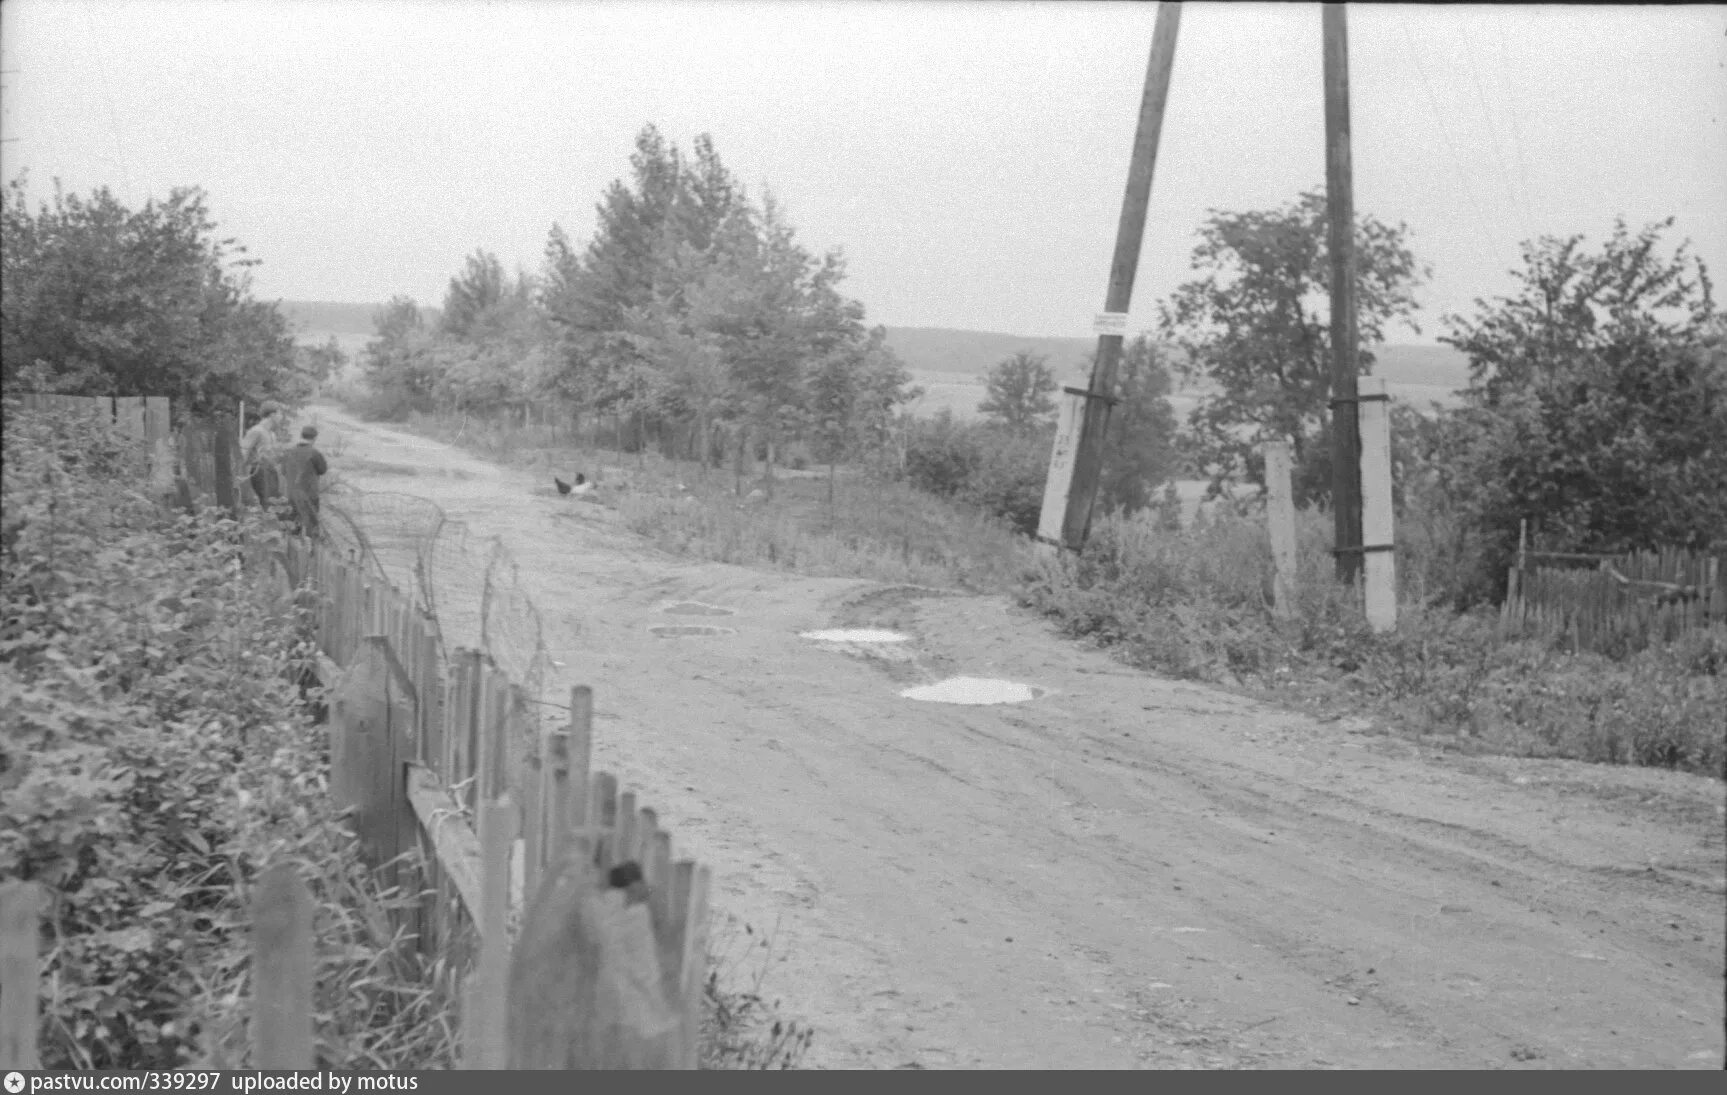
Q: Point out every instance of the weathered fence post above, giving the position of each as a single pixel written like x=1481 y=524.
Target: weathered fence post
x=282 y=971
x=485 y=1003
x=20 y=974
x=371 y=740
x=1280 y=520
x=587 y=990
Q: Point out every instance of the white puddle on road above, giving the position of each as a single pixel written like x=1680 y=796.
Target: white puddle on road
x=973 y=690
x=695 y=608
x=855 y=635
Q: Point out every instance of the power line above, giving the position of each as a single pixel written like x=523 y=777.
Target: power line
x=1516 y=128
x=108 y=96
x=1445 y=135
x=1487 y=115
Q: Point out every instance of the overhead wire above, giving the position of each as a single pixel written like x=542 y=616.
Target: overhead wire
x=108 y=96
x=1516 y=197
x=1484 y=249
x=1516 y=127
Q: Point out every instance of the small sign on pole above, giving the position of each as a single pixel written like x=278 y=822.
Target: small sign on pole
x=1109 y=323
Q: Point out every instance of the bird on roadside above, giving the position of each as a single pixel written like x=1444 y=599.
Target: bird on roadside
x=580 y=486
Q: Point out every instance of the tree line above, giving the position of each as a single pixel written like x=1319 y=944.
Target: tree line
x=693 y=318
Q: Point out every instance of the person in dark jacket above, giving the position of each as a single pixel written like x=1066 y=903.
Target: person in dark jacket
x=302 y=466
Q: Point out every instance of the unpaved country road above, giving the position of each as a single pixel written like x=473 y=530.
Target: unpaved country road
x=1124 y=872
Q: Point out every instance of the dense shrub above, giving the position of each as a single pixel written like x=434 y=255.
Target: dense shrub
x=999 y=470
x=155 y=755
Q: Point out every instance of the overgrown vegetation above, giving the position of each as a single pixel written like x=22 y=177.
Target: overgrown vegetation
x=1597 y=411
x=1197 y=603
x=156 y=755
x=98 y=299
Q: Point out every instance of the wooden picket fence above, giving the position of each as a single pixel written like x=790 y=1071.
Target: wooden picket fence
x=196 y=464
x=592 y=939
x=144 y=418
x=1615 y=604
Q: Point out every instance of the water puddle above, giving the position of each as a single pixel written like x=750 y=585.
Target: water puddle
x=695 y=608
x=666 y=631
x=973 y=690
x=855 y=635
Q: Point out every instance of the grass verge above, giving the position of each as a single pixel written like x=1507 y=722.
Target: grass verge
x=1197 y=604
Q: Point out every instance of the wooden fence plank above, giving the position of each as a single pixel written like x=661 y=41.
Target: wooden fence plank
x=585 y=981
x=20 y=973
x=694 y=967
x=453 y=843
x=486 y=1004
x=581 y=751
x=283 y=967
x=556 y=795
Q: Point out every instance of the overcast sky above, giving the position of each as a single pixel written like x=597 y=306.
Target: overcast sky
x=968 y=157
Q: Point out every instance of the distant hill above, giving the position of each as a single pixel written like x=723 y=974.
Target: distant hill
x=949 y=363
x=1426 y=366
x=972 y=354
x=313 y=320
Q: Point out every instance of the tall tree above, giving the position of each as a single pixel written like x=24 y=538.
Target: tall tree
x=1251 y=327
x=1598 y=406
x=1139 y=453
x=96 y=298
x=589 y=301
x=1019 y=392
x=479 y=288
x=399 y=364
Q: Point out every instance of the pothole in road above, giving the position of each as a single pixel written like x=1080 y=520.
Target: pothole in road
x=667 y=631
x=973 y=690
x=856 y=635
x=695 y=608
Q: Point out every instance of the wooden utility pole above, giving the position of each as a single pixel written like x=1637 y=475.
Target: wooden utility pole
x=1340 y=212
x=1077 y=462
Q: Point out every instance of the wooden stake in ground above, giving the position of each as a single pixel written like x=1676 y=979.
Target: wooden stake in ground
x=1340 y=215
x=1280 y=520
x=1078 y=487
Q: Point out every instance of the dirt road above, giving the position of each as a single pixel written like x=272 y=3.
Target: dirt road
x=1125 y=871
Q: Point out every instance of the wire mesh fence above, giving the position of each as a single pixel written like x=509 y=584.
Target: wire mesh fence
x=468 y=582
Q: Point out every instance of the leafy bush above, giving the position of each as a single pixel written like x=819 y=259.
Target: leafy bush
x=940 y=454
x=1007 y=477
x=1000 y=471
x=155 y=756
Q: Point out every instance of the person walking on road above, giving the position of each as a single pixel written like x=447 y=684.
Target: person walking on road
x=260 y=449
x=302 y=466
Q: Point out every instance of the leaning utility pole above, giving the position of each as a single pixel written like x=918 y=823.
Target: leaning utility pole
x=1340 y=213
x=1076 y=461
